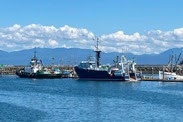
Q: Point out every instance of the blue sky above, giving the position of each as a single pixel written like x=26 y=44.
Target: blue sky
x=98 y=16
x=139 y=26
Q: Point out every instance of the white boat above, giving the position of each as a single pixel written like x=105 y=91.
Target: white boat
x=169 y=73
x=169 y=76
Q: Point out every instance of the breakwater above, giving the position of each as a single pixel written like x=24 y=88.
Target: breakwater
x=145 y=69
x=11 y=70
x=150 y=69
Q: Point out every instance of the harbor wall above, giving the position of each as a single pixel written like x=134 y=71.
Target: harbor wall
x=11 y=70
x=145 y=69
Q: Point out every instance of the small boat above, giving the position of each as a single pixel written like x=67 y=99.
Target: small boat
x=37 y=70
x=169 y=73
x=169 y=76
x=67 y=74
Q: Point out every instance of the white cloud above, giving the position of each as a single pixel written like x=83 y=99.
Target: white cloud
x=53 y=43
x=154 y=41
x=120 y=36
x=19 y=37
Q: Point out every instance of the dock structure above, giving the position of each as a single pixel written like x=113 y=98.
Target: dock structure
x=11 y=70
x=149 y=69
x=145 y=69
x=161 y=80
x=151 y=78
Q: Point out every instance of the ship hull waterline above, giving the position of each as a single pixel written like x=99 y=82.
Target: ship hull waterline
x=38 y=76
x=98 y=75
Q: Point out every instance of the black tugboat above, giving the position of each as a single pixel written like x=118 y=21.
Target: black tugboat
x=92 y=69
x=37 y=70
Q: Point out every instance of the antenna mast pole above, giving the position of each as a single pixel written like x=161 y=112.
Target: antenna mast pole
x=35 y=52
x=53 y=61
x=97 y=52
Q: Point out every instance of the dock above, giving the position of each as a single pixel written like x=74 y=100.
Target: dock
x=145 y=69
x=11 y=70
x=159 y=80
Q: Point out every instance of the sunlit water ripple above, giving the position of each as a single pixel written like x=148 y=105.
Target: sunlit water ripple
x=47 y=100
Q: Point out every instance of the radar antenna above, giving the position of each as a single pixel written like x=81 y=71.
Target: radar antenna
x=35 y=53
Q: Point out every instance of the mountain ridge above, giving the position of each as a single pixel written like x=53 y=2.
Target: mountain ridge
x=73 y=56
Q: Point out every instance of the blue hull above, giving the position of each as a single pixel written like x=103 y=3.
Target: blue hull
x=86 y=74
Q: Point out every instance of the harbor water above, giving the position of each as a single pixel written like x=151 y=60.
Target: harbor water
x=70 y=100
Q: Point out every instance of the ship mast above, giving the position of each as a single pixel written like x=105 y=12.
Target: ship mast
x=35 y=53
x=97 y=51
x=53 y=61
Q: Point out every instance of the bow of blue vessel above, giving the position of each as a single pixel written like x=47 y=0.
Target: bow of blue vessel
x=92 y=69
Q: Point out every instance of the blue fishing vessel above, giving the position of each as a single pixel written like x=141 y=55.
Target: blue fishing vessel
x=121 y=70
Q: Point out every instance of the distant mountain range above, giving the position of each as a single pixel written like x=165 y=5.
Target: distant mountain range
x=75 y=55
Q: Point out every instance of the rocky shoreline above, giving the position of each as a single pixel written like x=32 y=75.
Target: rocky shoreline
x=145 y=69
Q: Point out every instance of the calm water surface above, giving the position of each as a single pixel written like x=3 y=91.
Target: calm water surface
x=65 y=100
